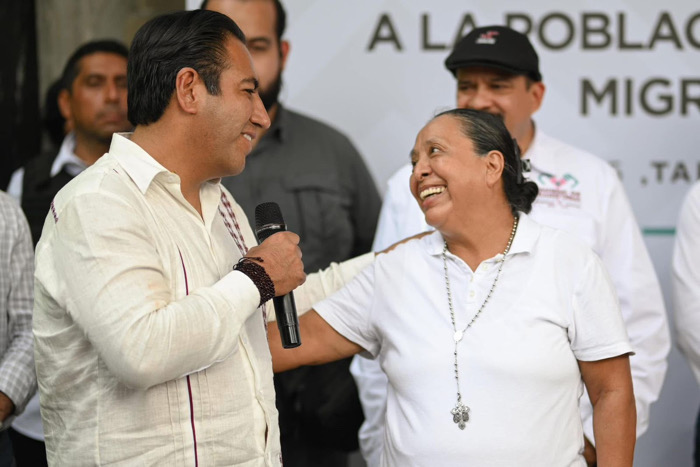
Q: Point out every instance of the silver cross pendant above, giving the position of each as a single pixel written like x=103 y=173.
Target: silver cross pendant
x=460 y=415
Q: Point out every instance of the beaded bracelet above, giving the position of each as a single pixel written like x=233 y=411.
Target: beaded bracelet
x=258 y=275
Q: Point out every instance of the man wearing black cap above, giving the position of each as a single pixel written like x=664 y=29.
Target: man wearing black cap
x=497 y=71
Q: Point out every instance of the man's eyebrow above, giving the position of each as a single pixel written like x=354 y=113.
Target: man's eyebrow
x=252 y=80
x=258 y=40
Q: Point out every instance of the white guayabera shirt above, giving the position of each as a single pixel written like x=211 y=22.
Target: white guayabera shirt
x=150 y=349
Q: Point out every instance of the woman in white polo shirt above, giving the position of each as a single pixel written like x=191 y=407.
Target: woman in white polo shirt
x=486 y=328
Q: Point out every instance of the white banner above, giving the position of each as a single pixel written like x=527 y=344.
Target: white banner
x=623 y=82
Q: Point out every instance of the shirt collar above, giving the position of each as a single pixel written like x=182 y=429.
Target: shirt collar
x=524 y=241
x=143 y=169
x=537 y=153
x=66 y=158
x=138 y=164
x=526 y=235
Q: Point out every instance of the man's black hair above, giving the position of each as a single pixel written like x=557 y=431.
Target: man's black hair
x=165 y=45
x=72 y=68
x=53 y=121
x=281 y=20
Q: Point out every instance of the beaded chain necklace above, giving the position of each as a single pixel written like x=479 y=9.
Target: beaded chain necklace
x=460 y=412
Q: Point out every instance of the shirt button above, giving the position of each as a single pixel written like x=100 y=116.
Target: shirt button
x=471 y=294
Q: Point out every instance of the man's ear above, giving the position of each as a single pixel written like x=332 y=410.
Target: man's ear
x=537 y=92
x=284 y=52
x=64 y=104
x=188 y=90
x=495 y=164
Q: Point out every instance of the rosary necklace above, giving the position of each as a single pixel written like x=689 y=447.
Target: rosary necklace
x=460 y=413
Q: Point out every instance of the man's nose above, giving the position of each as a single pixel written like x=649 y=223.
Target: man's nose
x=479 y=99
x=260 y=117
x=113 y=91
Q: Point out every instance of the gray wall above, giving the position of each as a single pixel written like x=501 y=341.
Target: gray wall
x=62 y=25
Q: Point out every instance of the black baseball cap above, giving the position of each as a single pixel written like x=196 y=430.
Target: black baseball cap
x=496 y=47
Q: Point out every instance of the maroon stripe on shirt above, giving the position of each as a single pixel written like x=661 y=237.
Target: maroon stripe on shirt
x=189 y=384
x=237 y=236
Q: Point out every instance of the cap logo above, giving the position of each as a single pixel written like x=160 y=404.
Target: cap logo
x=488 y=37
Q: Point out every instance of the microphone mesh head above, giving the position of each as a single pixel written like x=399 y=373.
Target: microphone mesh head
x=267 y=213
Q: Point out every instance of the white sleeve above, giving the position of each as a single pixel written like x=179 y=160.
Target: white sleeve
x=372 y=385
x=14 y=189
x=349 y=311
x=324 y=283
x=598 y=331
x=400 y=216
x=627 y=260
x=686 y=279
x=120 y=296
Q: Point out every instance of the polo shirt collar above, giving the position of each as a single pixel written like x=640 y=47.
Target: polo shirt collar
x=526 y=235
x=537 y=153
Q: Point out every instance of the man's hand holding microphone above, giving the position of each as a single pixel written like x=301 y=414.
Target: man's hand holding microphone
x=279 y=255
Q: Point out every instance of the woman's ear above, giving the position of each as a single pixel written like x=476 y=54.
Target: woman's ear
x=495 y=164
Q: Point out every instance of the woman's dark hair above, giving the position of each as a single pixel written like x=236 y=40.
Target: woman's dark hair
x=488 y=133
x=167 y=44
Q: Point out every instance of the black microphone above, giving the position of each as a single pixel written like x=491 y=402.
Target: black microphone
x=268 y=221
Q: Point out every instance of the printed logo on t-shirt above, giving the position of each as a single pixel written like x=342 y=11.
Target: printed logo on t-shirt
x=488 y=37
x=558 y=190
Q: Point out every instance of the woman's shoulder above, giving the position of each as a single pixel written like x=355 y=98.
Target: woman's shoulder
x=412 y=249
x=563 y=246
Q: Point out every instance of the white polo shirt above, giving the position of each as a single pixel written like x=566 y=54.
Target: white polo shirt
x=553 y=305
x=581 y=194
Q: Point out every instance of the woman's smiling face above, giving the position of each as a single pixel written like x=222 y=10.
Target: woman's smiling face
x=448 y=176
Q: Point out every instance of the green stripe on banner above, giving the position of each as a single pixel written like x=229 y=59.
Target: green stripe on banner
x=660 y=231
